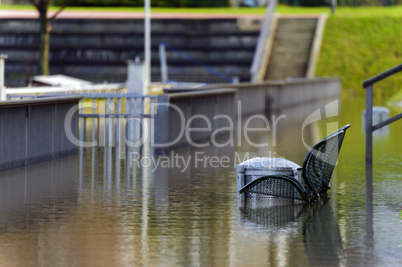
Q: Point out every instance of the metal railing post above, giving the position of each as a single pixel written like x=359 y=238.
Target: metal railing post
x=147 y=45
x=369 y=134
x=369 y=128
x=368 y=85
x=93 y=119
x=2 y=69
x=110 y=123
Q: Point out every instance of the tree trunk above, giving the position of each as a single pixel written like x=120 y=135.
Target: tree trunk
x=44 y=30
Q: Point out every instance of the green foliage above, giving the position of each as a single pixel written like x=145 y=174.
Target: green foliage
x=98 y=2
x=356 y=49
x=154 y=3
x=355 y=3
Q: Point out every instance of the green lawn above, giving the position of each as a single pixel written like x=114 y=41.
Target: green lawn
x=395 y=11
x=356 y=49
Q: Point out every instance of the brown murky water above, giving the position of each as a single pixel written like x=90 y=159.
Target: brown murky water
x=79 y=211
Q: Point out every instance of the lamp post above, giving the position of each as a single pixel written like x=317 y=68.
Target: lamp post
x=147 y=44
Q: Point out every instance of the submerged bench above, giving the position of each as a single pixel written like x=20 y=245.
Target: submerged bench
x=318 y=166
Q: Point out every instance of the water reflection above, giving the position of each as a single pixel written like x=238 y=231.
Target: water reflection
x=321 y=235
x=314 y=223
x=32 y=193
x=271 y=213
x=37 y=204
x=106 y=210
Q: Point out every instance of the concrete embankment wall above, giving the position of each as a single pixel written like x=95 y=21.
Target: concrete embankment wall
x=233 y=101
x=176 y=112
x=33 y=131
x=97 y=49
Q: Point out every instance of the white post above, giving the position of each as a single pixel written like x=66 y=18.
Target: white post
x=147 y=44
x=333 y=6
x=163 y=61
x=136 y=76
x=2 y=87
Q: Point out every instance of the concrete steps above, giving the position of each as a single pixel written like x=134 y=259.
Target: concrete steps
x=291 y=48
x=97 y=49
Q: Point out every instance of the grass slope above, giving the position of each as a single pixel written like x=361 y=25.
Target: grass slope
x=395 y=11
x=356 y=49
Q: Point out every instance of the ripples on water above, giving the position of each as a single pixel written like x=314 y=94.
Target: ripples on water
x=73 y=213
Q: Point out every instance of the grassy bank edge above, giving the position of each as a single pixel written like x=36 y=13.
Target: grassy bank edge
x=395 y=11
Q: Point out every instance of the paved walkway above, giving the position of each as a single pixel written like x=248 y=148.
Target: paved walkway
x=29 y=14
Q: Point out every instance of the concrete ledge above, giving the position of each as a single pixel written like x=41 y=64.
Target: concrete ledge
x=39 y=101
x=274 y=95
x=232 y=101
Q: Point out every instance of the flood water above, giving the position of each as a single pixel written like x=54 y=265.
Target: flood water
x=79 y=211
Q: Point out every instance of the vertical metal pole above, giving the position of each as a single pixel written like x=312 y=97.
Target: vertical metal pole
x=93 y=170
x=151 y=120
x=110 y=133
x=163 y=61
x=109 y=170
x=147 y=38
x=333 y=6
x=369 y=168
x=128 y=110
x=84 y=131
x=127 y=162
x=369 y=133
x=369 y=160
x=81 y=166
x=2 y=87
x=82 y=139
x=93 y=119
x=142 y=109
x=104 y=121
x=98 y=131
x=111 y=123
x=105 y=141
x=110 y=144
x=93 y=157
x=139 y=129
x=118 y=111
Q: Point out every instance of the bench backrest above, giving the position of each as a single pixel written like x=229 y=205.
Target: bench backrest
x=320 y=161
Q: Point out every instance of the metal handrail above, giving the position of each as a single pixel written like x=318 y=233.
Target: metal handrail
x=115 y=115
x=368 y=85
x=382 y=76
x=265 y=31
